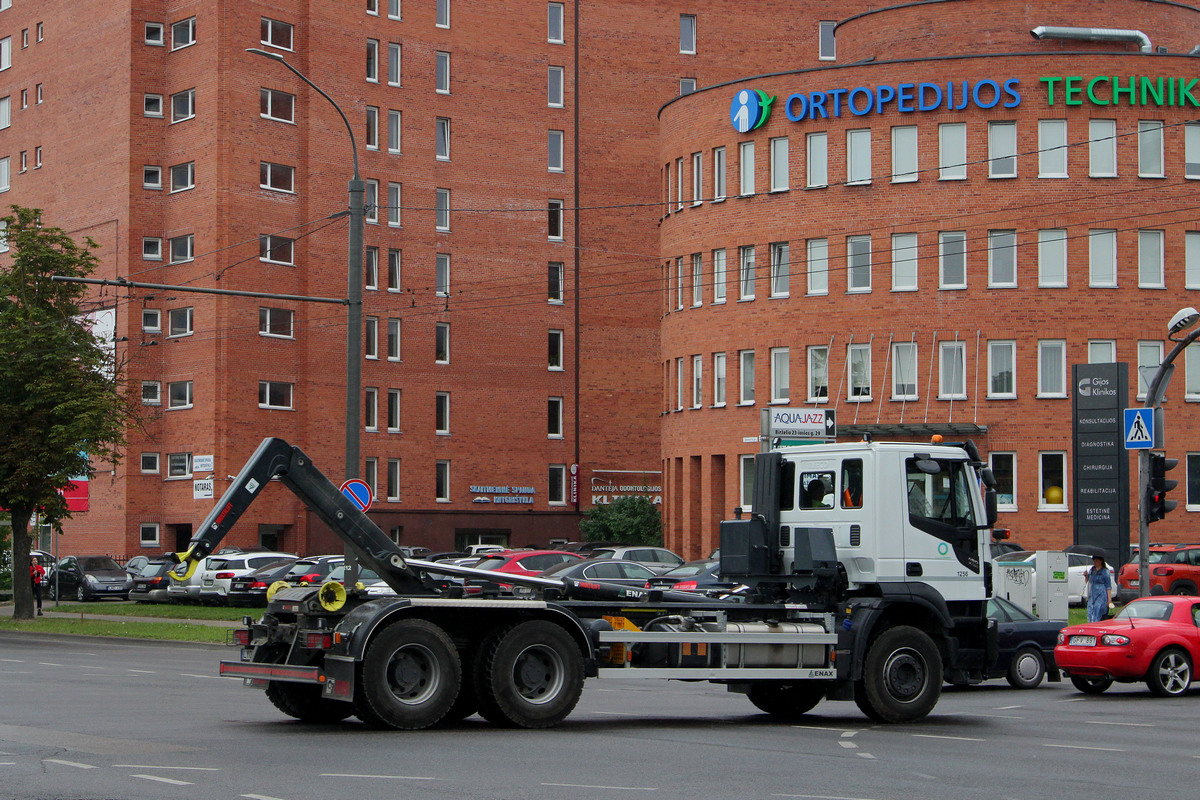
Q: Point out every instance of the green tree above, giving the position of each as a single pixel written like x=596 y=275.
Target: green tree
x=60 y=406
x=629 y=518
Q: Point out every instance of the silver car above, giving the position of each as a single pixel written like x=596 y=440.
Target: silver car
x=656 y=559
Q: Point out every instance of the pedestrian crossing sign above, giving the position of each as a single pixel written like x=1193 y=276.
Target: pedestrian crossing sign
x=1139 y=428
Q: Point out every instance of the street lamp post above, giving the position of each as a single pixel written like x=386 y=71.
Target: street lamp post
x=354 y=287
x=1183 y=319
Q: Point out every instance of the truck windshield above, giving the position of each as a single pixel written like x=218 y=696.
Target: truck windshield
x=943 y=497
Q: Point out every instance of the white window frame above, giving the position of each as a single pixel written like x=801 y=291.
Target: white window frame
x=1191 y=373
x=555 y=282
x=371 y=408
x=1052 y=258
x=442 y=18
x=745 y=169
x=1191 y=260
x=152 y=320
x=152 y=105
x=817 y=266
x=395 y=64
x=269 y=395
x=148 y=532
x=1043 y=455
x=1149 y=354
x=556 y=220
x=372 y=137
x=827 y=40
x=688 y=33
x=555 y=87
x=554 y=418
x=719 y=385
x=858 y=157
x=720 y=286
x=269 y=169
x=1002 y=258
x=1102 y=148
x=395 y=204
x=1052 y=352
x=697 y=280
x=904 y=154
x=393 y=480
x=274 y=249
x=1002 y=149
x=267 y=98
x=178 y=30
x=904 y=262
x=697 y=178
x=442 y=72
x=371 y=202
x=779 y=164
x=1102 y=258
x=554 y=151
x=182 y=248
x=151 y=393
x=1151 y=244
x=180 y=322
x=780 y=375
x=395 y=340
x=270 y=33
x=441 y=333
x=155 y=33
x=555 y=23
x=187 y=176
x=183 y=105
x=1052 y=148
x=394 y=408
x=1001 y=351
x=858 y=371
x=902 y=351
x=152 y=246
x=813 y=355
x=780 y=269
x=1150 y=149
x=746 y=483
x=149 y=464
x=395 y=140
x=372 y=71
x=1095 y=356
x=952 y=245
x=555 y=350
x=746 y=377
x=817 y=155
x=152 y=176
x=441 y=216
x=371 y=267
x=719 y=186
x=441 y=274
x=697 y=381
x=746 y=278
x=952 y=151
x=276 y=323
x=952 y=370
x=858 y=272
x=371 y=338
x=179 y=465
x=1191 y=151
x=442 y=139
x=556 y=478
x=1001 y=505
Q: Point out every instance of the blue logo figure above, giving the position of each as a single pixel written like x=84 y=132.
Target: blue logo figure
x=749 y=110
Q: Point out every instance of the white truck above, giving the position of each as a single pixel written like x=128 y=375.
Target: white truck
x=863 y=580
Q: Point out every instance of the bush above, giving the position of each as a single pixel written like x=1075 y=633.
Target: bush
x=630 y=518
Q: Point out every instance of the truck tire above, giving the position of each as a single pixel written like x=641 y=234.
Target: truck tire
x=300 y=701
x=411 y=674
x=785 y=700
x=902 y=676
x=533 y=676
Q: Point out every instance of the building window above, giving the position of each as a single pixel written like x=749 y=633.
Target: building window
x=276 y=249
x=697 y=381
x=443 y=13
x=183 y=176
x=554 y=361
x=554 y=418
x=148 y=531
x=1002 y=259
x=5 y=112
x=1191 y=269
x=371 y=476
x=393 y=131
x=274 y=394
x=1150 y=260
x=697 y=178
x=554 y=23
x=394 y=66
x=952 y=151
x=276 y=177
x=556 y=482
x=718 y=261
x=554 y=87
x=1052 y=368
x=1191 y=151
x=1052 y=148
x=1150 y=356
x=373 y=7
x=277 y=322
x=858 y=156
x=273 y=104
x=395 y=204
x=746 y=168
x=746 y=470
x=679 y=282
x=183 y=106
x=372 y=138
x=718 y=379
x=718 y=173
x=1052 y=258
x=179 y=465
x=371 y=337
x=152 y=104
x=442 y=73
x=826 y=42
x=370 y=267
x=1150 y=149
x=1052 y=480
x=746 y=368
x=697 y=280
x=183 y=33
x=276 y=34
x=818 y=266
x=373 y=60
x=1191 y=380
x=952 y=260
x=371 y=409
x=746 y=272
x=393 y=340
x=859 y=358
x=554 y=149
x=442 y=210
x=1193 y=482
x=393 y=411
x=679 y=184
x=152 y=177
x=904 y=262
x=679 y=384
x=858 y=263
x=151 y=245
x=817 y=145
x=818 y=374
x=555 y=220
x=155 y=33
x=442 y=413
x=441 y=482
x=687 y=33
x=149 y=464
x=779 y=164
x=37 y=157
x=182 y=248
x=686 y=86
x=441 y=343
x=555 y=282
x=1102 y=148
x=443 y=139
x=151 y=320
x=1002 y=366
x=1102 y=351
x=1102 y=258
x=442 y=274
x=371 y=201
x=151 y=393
x=952 y=380
x=904 y=371
x=393 y=480
x=1002 y=149
x=1004 y=468
x=779 y=269
x=904 y=153
x=780 y=371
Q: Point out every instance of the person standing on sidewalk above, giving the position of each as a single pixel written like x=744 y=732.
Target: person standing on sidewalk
x=37 y=574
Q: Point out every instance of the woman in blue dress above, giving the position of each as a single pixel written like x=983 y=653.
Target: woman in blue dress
x=1099 y=590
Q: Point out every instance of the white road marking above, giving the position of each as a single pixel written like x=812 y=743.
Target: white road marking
x=848 y=733
x=1082 y=747
x=614 y=788
x=209 y=677
x=8 y=763
x=159 y=766
x=1128 y=724
x=75 y=764
x=260 y=797
x=841 y=731
x=864 y=755
x=380 y=777
x=1006 y=708
x=48 y=664
x=954 y=738
x=615 y=713
x=821 y=797
x=171 y=781
x=13 y=660
x=926 y=776
x=143 y=671
x=848 y=745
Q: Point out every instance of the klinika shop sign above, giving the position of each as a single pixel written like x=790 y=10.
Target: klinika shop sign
x=1053 y=90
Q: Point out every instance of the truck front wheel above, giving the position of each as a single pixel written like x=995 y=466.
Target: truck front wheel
x=785 y=700
x=411 y=674
x=533 y=676
x=902 y=676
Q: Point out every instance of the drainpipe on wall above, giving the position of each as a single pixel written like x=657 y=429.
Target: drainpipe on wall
x=1094 y=35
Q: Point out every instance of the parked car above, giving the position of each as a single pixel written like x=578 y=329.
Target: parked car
x=151 y=581
x=1174 y=569
x=1153 y=639
x=214 y=582
x=656 y=559
x=134 y=565
x=251 y=589
x=525 y=562
x=1025 y=645
x=312 y=571
x=694 y=576
x=89 y=578
x=480 y=549
x=1077 y=566
x=604 y=570
x=189 y=591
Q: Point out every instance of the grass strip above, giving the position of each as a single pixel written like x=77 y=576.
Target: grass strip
x=163 y=610
x=168 y=631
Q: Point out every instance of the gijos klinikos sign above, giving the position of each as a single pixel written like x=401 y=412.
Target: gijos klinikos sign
x=750 y=108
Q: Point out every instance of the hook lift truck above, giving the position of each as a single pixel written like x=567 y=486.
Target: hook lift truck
x=863 y=573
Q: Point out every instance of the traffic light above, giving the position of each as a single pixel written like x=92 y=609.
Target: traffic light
x=1157 y=504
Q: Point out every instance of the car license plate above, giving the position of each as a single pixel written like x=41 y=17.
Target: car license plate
x=1083 y=641
x=1133 y=584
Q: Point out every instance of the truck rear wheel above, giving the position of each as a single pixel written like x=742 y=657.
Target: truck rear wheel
x=786 y=700
x=411 y=674
x=301 y=701
x=902 y=676
x=533 y=675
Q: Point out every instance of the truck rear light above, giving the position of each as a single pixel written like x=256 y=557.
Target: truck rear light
x=223 y=575
x=241 y=636
x=1164 y=571
x=316 y=640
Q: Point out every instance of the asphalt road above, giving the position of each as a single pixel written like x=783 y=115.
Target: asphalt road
x=91 y=719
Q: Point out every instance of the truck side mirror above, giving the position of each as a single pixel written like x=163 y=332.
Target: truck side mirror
x=990 y=505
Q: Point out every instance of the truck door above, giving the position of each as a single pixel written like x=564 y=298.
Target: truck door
x=941 y=542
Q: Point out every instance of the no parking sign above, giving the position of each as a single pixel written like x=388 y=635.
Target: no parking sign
x=359 y=493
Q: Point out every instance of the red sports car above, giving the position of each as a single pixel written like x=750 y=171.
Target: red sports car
x=1155 y=639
